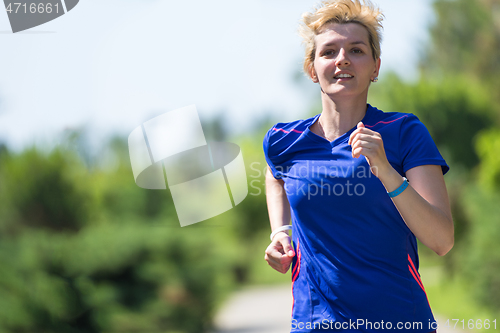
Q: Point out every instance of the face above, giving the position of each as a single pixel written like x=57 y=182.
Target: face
x=343 y=64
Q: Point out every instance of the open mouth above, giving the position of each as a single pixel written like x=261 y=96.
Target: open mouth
x=343 y=76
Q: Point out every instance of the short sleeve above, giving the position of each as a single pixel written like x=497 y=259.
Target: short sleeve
x=268 y=154
x=417 y=146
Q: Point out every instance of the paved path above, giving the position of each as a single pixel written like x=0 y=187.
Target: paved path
x=264 y=310
x=257 y=310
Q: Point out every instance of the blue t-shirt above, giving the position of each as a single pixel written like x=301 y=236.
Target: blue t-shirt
x=356 y=263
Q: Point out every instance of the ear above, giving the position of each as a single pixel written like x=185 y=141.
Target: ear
x=312 y=74
x=377 y=68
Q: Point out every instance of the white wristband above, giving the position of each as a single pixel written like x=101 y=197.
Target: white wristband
x=280 y=229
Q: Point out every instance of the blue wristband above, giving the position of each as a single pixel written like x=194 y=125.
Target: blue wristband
x=400 y=189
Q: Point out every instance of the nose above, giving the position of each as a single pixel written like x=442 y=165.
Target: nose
x=342 y=58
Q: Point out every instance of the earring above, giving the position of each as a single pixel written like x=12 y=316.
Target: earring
x=375 y=79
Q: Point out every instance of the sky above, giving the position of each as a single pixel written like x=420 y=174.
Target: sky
x=110 y=65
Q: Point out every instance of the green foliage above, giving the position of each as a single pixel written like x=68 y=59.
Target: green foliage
x=481 y=258
x=84 y=249
x=465 y=38
x=91 y=252
x=38 y=191
x=450 y=297
x=465 y=41
x=487 y=146
x=120 y=277
x=454 y=110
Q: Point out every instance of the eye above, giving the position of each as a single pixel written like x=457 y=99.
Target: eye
x=327 y=53
x=357 y=51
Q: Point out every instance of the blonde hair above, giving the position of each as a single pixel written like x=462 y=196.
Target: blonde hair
x=342 y=12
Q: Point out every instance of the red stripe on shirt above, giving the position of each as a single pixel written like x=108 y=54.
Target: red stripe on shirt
x=385 y=122
x=296 y=268
x=416 y=276
x=414 y=272
x=285 y=131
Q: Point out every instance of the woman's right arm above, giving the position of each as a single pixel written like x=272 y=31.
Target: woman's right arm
x=279 y=254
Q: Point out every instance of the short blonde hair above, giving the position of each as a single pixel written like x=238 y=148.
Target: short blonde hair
x=342 y=12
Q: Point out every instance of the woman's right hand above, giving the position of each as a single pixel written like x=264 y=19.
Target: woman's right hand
x=279 y=254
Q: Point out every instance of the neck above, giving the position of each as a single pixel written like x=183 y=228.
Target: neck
x=340 y=115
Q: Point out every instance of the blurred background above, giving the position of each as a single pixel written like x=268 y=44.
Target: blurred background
x=83 y=249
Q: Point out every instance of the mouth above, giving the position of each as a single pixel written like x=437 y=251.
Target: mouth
x=343 y=76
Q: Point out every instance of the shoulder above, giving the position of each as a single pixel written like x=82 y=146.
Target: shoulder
x=294 y=127
x=407 y=140
x=283 y=135
x=380 y=120
x=396 y=125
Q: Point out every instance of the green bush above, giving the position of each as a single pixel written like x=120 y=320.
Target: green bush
x=481 y=256
x=487 y=146
x=74 y=260
x=454 y=110
x=42 y=191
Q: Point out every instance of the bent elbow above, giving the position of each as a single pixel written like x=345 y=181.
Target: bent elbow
x=445 y=247
x=446 y=244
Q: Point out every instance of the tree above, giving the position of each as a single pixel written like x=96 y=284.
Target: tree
x=465 y=40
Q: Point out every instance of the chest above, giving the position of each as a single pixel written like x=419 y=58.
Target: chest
x=331 y=176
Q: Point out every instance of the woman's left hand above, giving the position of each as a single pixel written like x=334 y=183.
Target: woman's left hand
x=424 y=205
x=369 y=143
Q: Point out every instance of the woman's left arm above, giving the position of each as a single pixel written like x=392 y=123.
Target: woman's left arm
x=424 y=204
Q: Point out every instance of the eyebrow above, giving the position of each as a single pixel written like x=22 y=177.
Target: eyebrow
x=353 y=43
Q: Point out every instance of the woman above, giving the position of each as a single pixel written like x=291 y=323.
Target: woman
x=340 y=178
